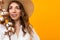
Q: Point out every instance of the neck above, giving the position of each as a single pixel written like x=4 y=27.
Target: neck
x=17 y=27
x=17 y=24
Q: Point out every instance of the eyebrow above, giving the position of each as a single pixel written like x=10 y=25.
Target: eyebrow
x=17 y=6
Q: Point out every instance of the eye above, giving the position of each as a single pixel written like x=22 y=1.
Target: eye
x=17 y=7
x=10 y=7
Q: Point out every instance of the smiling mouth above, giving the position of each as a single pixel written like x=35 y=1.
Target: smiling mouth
x=13 y=15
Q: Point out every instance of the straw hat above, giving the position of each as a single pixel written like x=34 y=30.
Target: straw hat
x=28 y=5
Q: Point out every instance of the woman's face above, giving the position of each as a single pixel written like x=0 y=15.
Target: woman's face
x=14 y=11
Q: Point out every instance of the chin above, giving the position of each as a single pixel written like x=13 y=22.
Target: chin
x=14 y=19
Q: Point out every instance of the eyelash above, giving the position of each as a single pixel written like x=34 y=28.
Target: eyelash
x=17 y=7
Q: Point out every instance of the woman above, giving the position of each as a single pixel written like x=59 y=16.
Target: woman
x=20 y=18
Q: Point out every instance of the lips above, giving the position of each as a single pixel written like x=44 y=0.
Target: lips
x=14 y=15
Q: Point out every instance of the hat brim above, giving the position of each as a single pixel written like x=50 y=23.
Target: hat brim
x=28 y=5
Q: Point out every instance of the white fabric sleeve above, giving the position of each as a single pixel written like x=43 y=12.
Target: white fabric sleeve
x=2 y=29
x=35 y=35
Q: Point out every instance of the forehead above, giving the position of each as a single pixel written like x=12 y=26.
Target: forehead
x=14 y=4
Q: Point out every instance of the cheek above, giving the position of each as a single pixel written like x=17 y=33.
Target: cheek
x=19 y=12
x=10 y=11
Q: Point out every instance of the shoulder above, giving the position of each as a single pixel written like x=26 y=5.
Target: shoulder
x=34 y=34
x=2 y=29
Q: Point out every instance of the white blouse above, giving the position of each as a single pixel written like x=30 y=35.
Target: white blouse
x=20 y=36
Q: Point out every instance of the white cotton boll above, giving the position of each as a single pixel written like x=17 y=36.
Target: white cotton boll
x=13 y=29
x=2 y=13
x=5 y=13
x=10 y=23
x=9 y=28
x=7 y=25
x=4 y=10
x=1 y=19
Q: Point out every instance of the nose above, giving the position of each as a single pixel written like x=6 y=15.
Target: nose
x=13 y=10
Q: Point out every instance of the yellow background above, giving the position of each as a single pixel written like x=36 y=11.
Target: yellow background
x=46 y=19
